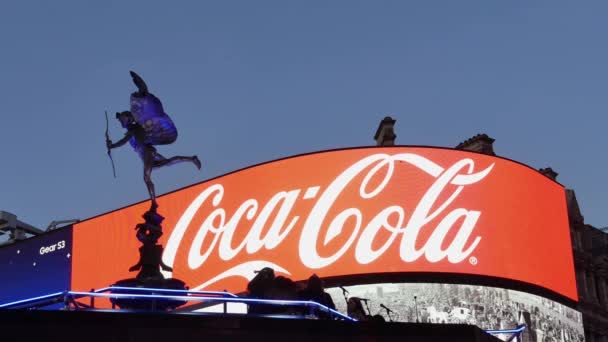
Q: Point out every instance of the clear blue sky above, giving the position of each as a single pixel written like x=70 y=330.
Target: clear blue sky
x=251 y=81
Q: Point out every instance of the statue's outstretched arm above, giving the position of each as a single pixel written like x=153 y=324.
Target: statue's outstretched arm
x=120 y=142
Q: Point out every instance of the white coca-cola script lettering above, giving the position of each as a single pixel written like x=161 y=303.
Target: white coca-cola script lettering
x=219 y=228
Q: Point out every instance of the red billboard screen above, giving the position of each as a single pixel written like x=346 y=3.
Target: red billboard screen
x=348 y=212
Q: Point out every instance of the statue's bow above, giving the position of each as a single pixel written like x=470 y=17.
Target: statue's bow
x=107 y=140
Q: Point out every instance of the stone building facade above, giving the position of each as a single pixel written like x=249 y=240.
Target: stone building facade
x=590 y=248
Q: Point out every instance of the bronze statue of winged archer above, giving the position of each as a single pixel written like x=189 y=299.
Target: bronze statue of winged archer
x=147 y=126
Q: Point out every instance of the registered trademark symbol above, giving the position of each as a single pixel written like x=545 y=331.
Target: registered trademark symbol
x=473 y=260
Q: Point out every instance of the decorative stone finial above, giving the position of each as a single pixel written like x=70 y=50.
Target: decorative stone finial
x=481 y=143
x=549 y=172
x=385 y=135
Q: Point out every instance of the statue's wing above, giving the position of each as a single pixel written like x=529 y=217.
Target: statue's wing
x=148 y=112
x=139 y=83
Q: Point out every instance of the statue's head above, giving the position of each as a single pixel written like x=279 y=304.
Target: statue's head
x=125 y=118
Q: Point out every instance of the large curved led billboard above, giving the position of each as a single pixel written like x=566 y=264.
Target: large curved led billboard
x=393 y=210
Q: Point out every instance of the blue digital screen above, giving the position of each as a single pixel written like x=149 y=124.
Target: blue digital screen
x=37 y=266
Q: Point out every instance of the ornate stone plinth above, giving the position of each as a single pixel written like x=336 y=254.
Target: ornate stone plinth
x=149 y=265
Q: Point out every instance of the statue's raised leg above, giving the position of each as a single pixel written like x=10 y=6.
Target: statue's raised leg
x=162 y=161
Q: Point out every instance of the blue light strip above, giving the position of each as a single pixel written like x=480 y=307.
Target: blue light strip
x=213 y=299
x=32 y=300
x=508 y=331
x=232 y=298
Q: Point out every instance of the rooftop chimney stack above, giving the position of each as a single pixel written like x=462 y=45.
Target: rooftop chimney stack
x=549 y=172
x=385 y=135
x=481 y=143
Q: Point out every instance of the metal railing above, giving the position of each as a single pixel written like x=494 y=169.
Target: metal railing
x=72 y=300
